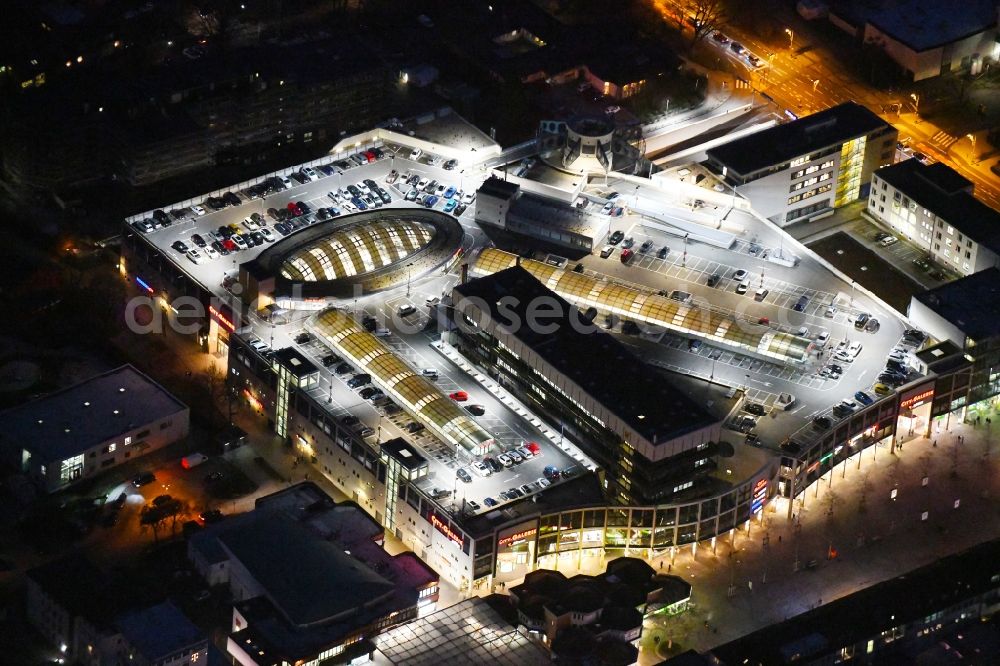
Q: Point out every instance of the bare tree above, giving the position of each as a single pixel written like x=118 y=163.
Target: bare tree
x=706 y=16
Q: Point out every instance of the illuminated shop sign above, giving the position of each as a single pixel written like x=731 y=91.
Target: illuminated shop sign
x=253 y=400
x=142 y=285
x=221 y=318
x=516 y=536
x=917 y=400
x=444 y=529
x=759 y=495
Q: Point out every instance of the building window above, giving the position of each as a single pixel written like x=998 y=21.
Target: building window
x=968 y=255
x=951 y=230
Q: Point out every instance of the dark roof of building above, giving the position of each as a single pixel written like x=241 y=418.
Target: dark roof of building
x=404 y=453
x=68 y=422
x=943 y=357
x=941 y=190
x=867 y=613
x=641 y=397
x=295 y=362
x=496 y=187
x=970 y=303
x=927 y=24
x=79 y=587
x=159 y=631
x=774 y=146
x=308 y=580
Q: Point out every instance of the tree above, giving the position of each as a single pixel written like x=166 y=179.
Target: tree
x=707 y=16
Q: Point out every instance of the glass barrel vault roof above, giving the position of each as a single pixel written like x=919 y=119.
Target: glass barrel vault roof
x=420 y=396
x=638 y=305
x=357 y=250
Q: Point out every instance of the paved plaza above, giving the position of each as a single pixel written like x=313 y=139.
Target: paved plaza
x=751 y=580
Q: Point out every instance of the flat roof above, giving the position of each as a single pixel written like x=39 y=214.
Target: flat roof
x=941 y=190
x=550 y=213
x=308 y=580
x=71 y=421
x=865 y=614
x=643 y=398
x=927 y=24
x=782 y=143
x=159 y=631
x=404 y=453
x=497 y=187
x=970 y=303
x=78 y=586
x=469 y=632
x=296 y=363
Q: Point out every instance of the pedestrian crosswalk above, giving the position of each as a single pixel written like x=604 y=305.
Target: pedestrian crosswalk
x=742 y=84
x=944 y=139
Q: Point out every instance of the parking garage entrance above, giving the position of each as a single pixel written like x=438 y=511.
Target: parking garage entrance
x=915 y=413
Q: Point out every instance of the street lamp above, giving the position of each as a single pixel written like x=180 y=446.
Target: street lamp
x=972 y=138
x=815 y=84
x=408 y=267
x=916 y=104
x=791 y=38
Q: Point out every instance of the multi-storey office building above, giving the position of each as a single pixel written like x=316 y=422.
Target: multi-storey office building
x=652 y=442
x=805 y=169
x=933 y=207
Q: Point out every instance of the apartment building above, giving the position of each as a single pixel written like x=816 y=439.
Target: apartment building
x=933 y=207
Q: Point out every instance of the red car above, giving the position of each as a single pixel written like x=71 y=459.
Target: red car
x=230 y=245
x=293 y=208
x=534 y=448
x=627 y=255
x=459 y=396
x=370 y=156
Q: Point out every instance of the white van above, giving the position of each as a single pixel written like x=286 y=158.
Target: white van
x=193 y=460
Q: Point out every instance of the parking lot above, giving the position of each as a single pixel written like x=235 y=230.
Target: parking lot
x=212 y=272
x=688 y=267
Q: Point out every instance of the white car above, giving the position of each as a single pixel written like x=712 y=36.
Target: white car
x=286 y=181
x=416 y=153
x=542 y=482
x=608 y=207
x=437 y=160
x=505 y=460
x=854 y=349
x=802 y=332
x=843 y=357
x=198 y=210
x=823 y=338
x=480 y=469
x=268 y=234
x=195 y=256
x=391 y=177
x=422 y=183
x=364 y=188
x=739 y=275
x=250 y=223
x=210 y=252
x=468 y=197
x=310 y=173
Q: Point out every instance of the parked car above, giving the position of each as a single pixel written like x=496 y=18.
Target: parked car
x=144 y=479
